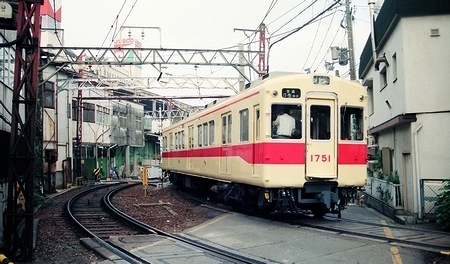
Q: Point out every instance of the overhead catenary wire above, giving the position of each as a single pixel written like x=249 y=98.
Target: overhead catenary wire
x=312 y=45
x=324 y=39
x=323 y=58
x=301 y=27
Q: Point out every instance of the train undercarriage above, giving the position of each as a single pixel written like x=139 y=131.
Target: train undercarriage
x=319 y=198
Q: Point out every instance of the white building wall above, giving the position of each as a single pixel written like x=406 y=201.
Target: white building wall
x=427 y=63
x=418 y=83
x=94 y=133
x=432 y=141
x=389 y=100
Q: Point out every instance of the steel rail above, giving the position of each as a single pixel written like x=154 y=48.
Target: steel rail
x=128 y=256
x=235 y=258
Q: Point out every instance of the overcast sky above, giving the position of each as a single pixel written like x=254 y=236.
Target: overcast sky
x=208 y=24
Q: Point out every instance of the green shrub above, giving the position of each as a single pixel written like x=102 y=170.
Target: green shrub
x=38 y=200
x=443 y=206
x=393 y=178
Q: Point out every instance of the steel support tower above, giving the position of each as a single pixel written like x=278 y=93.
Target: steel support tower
x=262 y=50
x=21 y=170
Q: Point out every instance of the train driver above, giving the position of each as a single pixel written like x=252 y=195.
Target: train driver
x=284 y=123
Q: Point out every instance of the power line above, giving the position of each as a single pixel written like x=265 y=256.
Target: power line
x=299 y=28
x=326 y=34
x=314 y=41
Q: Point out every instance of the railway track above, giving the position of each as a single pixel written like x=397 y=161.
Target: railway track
x=95 y=214
x=395 y=234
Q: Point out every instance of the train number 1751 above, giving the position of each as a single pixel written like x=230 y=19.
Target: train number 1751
x=320 y=158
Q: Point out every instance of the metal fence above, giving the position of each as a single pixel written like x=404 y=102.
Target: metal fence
x=385 y=191
x=429 y=195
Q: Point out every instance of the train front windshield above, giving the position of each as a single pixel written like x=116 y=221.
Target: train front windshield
x=286 y=121
x=352 y=123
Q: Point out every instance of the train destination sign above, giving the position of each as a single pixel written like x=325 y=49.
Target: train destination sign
x=290 y=93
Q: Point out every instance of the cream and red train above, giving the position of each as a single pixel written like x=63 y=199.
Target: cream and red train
x=233 y=145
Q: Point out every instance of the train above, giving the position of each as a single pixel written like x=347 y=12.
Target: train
x=233 y=146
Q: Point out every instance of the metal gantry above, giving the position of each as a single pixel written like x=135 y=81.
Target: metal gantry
x=153 y=56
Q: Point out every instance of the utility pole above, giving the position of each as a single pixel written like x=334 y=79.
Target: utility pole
x=351 y=51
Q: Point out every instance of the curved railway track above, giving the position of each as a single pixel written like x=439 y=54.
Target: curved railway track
x=95 y=214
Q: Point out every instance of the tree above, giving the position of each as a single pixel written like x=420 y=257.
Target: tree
x=443 y=206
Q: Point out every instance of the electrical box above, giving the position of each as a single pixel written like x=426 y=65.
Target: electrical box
x=334 y=53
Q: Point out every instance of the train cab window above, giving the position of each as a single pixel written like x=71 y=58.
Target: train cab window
x=320 y=122
x=352 y=123
x=286 y=121
x=243 y=125
x=257 y=124
x=211 y=133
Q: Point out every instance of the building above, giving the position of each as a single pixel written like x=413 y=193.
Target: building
x=404 y=65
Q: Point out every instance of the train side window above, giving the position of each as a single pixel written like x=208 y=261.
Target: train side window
x=182 y=140
x=243 y=125
x=320 y=122
x=191 y=136
x=176 y=140
x=211 y=133
x=257 y=124
x=205 y=134
x=199 y=135
x=351 y=123
x=229 y=128
x=171 y=141
x=224 y=129
x=164 y=143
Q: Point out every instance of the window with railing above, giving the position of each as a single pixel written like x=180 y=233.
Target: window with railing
x=89 y=112
x=48 y=95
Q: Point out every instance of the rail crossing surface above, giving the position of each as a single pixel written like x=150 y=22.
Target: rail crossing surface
x=274 y=242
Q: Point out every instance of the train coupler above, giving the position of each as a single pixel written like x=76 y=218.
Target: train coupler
x=286 y=202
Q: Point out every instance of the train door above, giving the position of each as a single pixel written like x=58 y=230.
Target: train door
x=190 y=147
x=321 y=138
x=225 y=143
x=256 y=140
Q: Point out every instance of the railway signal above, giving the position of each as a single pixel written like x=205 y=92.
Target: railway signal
x=144 y=178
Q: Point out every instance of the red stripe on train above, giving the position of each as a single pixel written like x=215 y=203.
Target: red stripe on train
x=352 y=154
x=271 y=153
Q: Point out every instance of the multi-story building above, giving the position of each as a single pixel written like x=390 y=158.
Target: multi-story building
x=405 y=65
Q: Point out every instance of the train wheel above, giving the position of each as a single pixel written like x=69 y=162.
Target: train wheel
x=319 y=211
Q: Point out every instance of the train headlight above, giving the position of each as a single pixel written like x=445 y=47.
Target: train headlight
x=267 y=195
x=274 y=93
x=361 y=98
